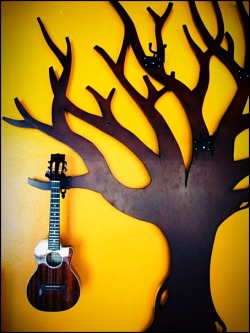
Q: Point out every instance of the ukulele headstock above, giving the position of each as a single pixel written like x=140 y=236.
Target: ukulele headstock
x=57 y=167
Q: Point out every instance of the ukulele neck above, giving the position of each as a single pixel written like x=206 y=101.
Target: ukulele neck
x=54 y=225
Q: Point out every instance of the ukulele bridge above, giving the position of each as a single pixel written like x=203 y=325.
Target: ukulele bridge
x=51 y=287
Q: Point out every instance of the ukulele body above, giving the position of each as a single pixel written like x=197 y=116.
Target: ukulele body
x=53 y=286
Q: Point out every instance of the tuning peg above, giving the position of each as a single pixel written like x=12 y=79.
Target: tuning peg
x=47 y=174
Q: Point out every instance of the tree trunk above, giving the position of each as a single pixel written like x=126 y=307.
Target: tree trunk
x=189 y=306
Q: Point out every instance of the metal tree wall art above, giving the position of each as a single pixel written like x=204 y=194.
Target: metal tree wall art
x=188 y=204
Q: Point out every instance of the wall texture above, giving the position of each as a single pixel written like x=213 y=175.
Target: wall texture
x=120 y=261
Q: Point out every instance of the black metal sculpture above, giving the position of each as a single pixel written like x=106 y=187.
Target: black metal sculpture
x=157 y=60
x=187 y=204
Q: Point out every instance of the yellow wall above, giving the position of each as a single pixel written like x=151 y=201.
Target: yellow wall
x=120 y=260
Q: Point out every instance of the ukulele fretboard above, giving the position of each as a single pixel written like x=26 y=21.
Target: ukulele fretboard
x=54 y=225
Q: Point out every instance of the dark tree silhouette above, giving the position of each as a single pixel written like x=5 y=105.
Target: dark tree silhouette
x=187 y=203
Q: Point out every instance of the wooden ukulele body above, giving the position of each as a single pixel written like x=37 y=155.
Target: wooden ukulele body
x=54 y=286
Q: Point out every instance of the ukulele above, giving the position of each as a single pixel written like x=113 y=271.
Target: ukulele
x=54 y=286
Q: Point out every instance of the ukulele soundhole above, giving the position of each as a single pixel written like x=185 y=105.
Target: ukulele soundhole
x=54 y=259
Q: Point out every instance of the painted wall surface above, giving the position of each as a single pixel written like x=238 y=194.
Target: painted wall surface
x=120 y=261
